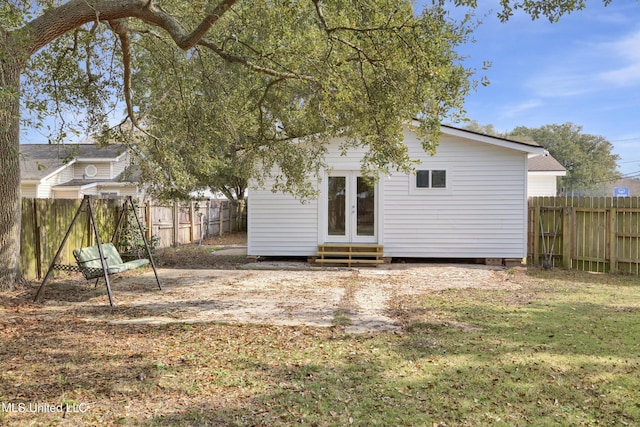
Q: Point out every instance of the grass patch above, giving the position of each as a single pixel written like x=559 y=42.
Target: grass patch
x=565 y=354
x=561 y=350
x=341 y=318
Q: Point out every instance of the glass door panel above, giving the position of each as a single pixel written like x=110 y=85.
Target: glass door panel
x=351 y=208
x=365 y=207
x=336 y=215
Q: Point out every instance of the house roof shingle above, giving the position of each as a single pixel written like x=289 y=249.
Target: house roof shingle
x=545 y=164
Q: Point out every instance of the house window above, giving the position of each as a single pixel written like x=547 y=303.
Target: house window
x=422 y=179
x=90 y=171
x=438 y=179
x=431 y=179
x=109 y=194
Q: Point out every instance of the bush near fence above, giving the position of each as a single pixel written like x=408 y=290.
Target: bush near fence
x=598 y=234
x=46 y=221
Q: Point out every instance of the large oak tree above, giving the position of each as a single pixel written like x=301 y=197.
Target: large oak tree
x=365 y=64
x=589 y=160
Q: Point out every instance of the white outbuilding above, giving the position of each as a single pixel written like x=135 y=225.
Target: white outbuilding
x=468 y=201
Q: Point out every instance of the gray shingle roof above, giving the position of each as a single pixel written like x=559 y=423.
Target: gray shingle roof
x=545 y=164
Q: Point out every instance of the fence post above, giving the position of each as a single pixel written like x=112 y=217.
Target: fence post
x=149 y=220
x=38 y=240
x=192 y=225
x=231 y=207
x=536 y=234
x=567 y=236
x=176 y=224
x=221 y=218
x=611 y=241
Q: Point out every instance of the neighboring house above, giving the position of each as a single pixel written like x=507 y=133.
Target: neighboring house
x=543 y=175
x=467 y=201
x=70 y=171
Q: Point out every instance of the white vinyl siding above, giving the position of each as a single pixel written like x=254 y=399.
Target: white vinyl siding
x=118 y=167
x=29 y=191
x=67 y=193
x=542 y=184
x=45 y=187
x=103 y=170
x=482 y=216
x=280 y=225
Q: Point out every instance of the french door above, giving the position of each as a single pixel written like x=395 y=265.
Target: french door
x=350 y=208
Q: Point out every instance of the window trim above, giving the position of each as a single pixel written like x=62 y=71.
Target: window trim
x=413 y=182
x=109 y=194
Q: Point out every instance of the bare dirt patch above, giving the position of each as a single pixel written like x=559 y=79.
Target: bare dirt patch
x=361 y=301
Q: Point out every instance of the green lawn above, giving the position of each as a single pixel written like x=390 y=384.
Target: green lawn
x=563 y=350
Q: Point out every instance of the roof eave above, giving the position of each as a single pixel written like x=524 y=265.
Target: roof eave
x=548 y=173
x=57 y=171
x=535 y=150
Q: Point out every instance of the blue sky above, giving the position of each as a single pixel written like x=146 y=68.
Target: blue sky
x=584 y=69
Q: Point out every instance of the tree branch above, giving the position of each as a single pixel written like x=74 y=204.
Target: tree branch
x=330 y=31
x=120 y=28
x=57 y=21
x=252 y=66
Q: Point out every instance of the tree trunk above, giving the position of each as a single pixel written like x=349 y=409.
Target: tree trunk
x=10 y=199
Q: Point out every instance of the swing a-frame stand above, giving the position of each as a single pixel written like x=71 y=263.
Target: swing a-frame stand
x=101 y=260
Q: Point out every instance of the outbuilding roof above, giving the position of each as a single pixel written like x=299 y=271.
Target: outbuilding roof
x=545 y=163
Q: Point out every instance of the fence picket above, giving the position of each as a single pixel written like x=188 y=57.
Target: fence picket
x=599 y=234
x=45 y=222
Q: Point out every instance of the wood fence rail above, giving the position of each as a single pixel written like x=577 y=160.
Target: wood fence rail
x=598 y=234
x=45 y=222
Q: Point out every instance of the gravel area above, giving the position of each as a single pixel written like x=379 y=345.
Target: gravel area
x=288 y=293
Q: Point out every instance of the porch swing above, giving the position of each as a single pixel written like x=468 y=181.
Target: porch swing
x=101 y=260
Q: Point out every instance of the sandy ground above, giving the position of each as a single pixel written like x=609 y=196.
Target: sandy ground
x=361 y=300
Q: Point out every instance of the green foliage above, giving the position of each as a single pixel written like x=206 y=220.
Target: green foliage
x=130 y=240
x=588 y=159
x=553 y=10
x=489 y=129
x=356 y=69
x=77 y=76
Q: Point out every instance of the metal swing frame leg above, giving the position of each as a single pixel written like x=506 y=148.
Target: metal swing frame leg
x=55 y=258
x=144 y=239
x=103 y=261
x=125 y=208
x=86 y=200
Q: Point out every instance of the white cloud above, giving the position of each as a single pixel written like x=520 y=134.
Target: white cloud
x=590 y=68
x=515 y=110
x=560 y=82
x=627 y=52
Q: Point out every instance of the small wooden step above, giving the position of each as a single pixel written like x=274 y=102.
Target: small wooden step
x=350 y=254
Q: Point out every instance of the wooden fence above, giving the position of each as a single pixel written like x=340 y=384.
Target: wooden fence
x=45 y=222
x=600 y=234
x=175 y=225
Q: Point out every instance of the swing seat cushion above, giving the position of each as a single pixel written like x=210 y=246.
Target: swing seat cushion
x=89 y=261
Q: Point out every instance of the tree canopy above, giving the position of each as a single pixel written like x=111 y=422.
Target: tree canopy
x=588 y=158
x=358 y=68
x=315 y=72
